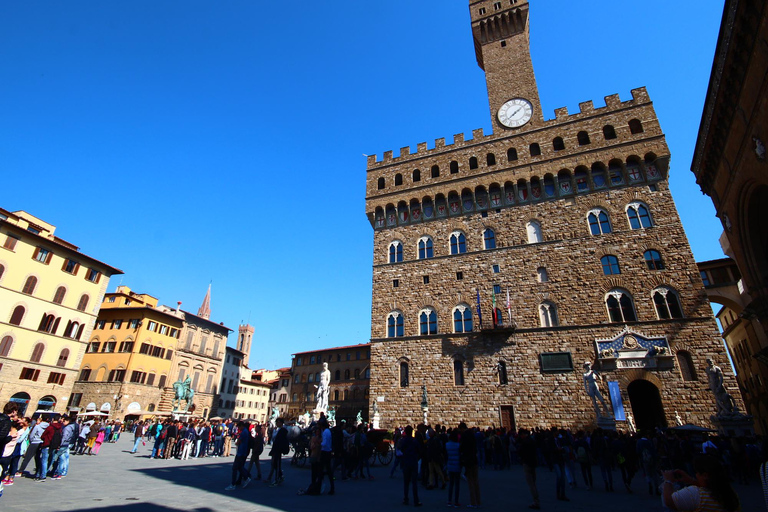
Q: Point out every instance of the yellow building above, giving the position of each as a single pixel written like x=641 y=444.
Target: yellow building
x=50 y=294
x=127 y=366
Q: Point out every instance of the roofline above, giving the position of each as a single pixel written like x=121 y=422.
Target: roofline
x=334 y=348
x=64 y=245
x=206 y=320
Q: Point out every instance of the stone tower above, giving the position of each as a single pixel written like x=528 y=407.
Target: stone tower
x=504 y=262
x=501 y=36
x=244 y=338
x=205 y=307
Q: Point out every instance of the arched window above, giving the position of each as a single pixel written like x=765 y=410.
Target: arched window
x=346 y=374
x=416 y=175
x=558 y=144
x=490 y=159
x=458 y=243
x=30 y=285
x=336 y=395
x=548 y=314
x=48 y=323
x=511 y=154
x=435 y=172
x=599 y=223
x=609 y=132
x=5 y=346
x=382 y=183
x=638 y=215
x=454 y=167
x=653 y=260
x=473 y=163
x=428 y=321
x=398 y=179
x=63 y=356
x=458 y=372
x=58 y=297
x=17 y=315
x=489 y=239
x=635 y=126
x=533 y=229
x=395 y=327
x=2 y=271
x=404 y=377
x=610 y=265
x=426 y=248
x=462 y=318
x=667 y=303
x=396 y=252
x=337 y=375
x=686 y=365
x=37 y=353
x=535 y=149
x=542 y=275
x=583 y=138
x=502 y=371
x=620 y=306
x=83 y=303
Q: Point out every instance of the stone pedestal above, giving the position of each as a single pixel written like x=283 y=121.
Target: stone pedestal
x=376 y=419
x=606 y=423
x=425 y=410
x=735 y=424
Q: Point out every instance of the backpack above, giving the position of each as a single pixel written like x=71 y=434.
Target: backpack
x=152 y=430
x=164 y=433
x=55 y=440
x=581 y=455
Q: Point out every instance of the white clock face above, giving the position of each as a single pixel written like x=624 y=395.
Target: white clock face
x=515 y=113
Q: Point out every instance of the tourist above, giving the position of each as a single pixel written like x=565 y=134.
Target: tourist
x=8 y=435
x=228 y=428
x=454 y=468
x=189 y=441
x=257 y=448
x=218 y=439
x=410 y=463
x=22 y=443
x=206 y=439
x=602 y=453
x=326 y=454
x=35 y=441
x=315 y=444
x=648 y=455
x=100 y=437
x=240 y=475
x=158 y=432
x=363 y=448
x=468 y=453
x=138 y=433
x=710 y=490
x=280 y=447
x=60 y=457
x=93 y=433
x=582 y=451
x=557 y=454
x=527 y=451
x=436 y=452
x=82 y=438
x=626 y=458
x=171 y=435
x=339 y=452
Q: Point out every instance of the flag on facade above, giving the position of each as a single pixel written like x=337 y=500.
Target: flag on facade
x=495 y=315
x=479 y=314
x=509 y=307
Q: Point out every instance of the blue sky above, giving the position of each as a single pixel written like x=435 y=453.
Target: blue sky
x=186 y=142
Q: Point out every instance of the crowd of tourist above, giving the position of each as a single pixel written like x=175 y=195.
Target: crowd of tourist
x=428 y=458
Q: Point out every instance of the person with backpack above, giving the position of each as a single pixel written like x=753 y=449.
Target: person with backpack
x=51 y=440
x=240 y=475
x=257 y=448
x=160 y=433
x=60 y=455
x=218 y=439
x=581 y=450
x=171 y=436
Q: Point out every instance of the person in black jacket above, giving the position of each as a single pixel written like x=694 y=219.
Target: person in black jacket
x=468 y=456
x=6 y=422
x=409 y=446
x=280 y=447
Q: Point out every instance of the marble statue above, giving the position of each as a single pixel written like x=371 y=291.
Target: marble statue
x=375 y=408
x=725 y=402
x=678 y=419
x=631 y=421
x=323 y=390
x=424 y=401
x=359 y=418
x=591 y=379
x=332 y=416
x=273 y=417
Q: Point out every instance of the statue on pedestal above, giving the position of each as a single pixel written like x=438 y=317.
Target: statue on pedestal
x=591 y=379
x=359 y=418
x=678 y=419
x=182 y=391
x=323 y=390
x=725 y=403
x=332 y=416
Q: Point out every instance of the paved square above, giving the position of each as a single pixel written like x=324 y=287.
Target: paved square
x=118 y=481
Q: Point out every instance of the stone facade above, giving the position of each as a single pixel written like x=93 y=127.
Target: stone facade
x=531 y=213
x=50 y=294
x=731 y=166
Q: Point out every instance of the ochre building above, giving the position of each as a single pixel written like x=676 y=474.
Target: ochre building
x=573 y=220
x=50 y=294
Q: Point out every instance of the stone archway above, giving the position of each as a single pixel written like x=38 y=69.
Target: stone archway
x=647 y=408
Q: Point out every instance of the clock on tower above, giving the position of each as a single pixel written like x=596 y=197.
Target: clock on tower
x=500 y=32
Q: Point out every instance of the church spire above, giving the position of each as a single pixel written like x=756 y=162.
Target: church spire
x=205 y=308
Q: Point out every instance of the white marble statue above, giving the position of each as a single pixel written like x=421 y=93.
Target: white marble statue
x=591 y=378
x=678 y=419
x=631 y=421
x=324 y=389
x=725 y=402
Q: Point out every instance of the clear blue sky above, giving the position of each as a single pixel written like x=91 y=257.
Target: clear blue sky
x=186 y=142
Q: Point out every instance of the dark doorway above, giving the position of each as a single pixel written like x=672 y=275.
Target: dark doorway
x=646 y=405
x=508 y=417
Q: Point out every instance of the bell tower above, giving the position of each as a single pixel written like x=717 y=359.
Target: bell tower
x=501 y=35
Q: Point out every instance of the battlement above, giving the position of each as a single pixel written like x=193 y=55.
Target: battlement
x=586 y=110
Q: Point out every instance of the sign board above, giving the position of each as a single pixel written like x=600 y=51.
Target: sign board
x=133 y=408
x=556 y=362
x=616 y=401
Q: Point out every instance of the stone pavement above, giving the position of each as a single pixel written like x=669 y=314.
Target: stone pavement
x=117 y=481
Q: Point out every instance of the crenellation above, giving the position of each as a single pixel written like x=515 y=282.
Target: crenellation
x=405 y=151
x=586 y=107
x=640 y=95
x=458 y=139
x=421 y=147
x=561 y=113
x=613 y=101
x=388 y=156
x=477 y=135
x=440 y=143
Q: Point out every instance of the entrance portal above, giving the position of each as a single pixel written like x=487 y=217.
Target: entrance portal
x=646 y=405
x=508 y=417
